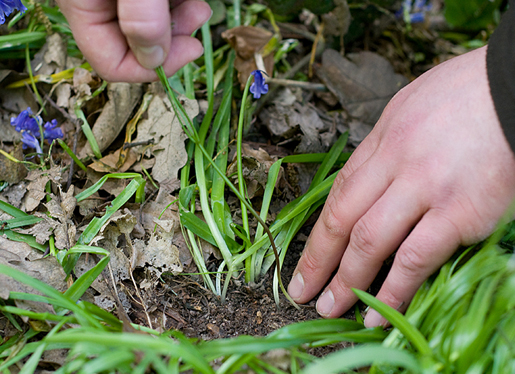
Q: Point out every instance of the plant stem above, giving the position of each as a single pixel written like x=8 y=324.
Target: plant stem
x=241 y=181
x=189 y=129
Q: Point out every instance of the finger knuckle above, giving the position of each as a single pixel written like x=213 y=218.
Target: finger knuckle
x=363 y=239
x=410 y=261
x=311 y=263
x=342 y=283
x=333 y=220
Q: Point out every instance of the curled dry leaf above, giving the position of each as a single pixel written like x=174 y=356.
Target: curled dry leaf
x=62 y=207
x=42 y=230
x=52 y=57
x=249 y=41
x=107 y=164
x=165 y=129
x=256 y=163
x=159 y=255
x=36 y=188
x=123 y=98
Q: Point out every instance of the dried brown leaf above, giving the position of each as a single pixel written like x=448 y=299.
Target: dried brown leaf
x=162 y=126
x=363 y=82
x=12 y=172
x=22 y=257
x=123 y=98
x=107 y=164
x=248 y=41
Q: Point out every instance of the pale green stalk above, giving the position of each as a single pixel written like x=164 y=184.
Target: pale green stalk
x=86 y=128
x=241 y=180
x=237 y=12
x=192 y=133
x=208 y=216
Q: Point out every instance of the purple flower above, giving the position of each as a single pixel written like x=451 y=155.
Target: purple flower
x=25 y=122
x=259 y=87
x=28 y=125
x=8 y=6
x=51 y=131
x=413 y=11
x=31 y=141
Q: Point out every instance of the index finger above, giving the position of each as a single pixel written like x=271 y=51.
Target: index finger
x=357 y=186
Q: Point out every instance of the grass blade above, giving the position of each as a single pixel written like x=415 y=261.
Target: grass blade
x=355 y=358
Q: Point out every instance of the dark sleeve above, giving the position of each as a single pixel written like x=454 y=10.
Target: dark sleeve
x=500 y=62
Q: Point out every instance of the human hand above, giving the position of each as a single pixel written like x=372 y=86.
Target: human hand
x=125 y=40
x=435 y=172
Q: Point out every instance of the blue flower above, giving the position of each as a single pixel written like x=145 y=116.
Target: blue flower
x=28 y=125
x=259 y=87
x=31 y=141
x=51 y=131
x=26 y=122
x=413 y=11
x=8 y=6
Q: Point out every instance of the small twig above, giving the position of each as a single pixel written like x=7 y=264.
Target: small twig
x=293 y=83
x=78 y=123
x=319 y=39
x=290 y=73
x=135 y=144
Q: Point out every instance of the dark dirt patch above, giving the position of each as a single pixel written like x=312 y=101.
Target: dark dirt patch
x=182 y=303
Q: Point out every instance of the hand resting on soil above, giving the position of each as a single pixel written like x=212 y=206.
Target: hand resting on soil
x=436 y=172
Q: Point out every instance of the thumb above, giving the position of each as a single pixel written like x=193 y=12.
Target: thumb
x=147 y=27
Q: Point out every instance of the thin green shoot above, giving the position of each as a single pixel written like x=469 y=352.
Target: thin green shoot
x=86 y=128
x=147 y=174
x=31 y=77
x=241 y=180
x=71 y=154
x=193 y=135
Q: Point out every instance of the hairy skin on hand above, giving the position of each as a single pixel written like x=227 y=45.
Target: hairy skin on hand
x=436 y=172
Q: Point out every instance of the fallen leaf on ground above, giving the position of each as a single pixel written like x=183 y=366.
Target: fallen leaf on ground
x=107 y=164
x=255 y=165
x=22 y=257
x=285 y=117
x=123 y=98
x=36 y=188
x=111 y=185
x=109 y=238
x=248 y=41
x=14 y=194
x=163 y=126
x=51 y=58
x=159 y=255
x=363 y=82
x=62 y=207
x=10 y=171
x=41 y=230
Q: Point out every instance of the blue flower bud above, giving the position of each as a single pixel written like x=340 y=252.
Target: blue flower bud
x=31 y=141
x=259 y=87
x=51 y=131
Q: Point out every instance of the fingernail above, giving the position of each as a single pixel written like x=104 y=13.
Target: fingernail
x=200 y=52
x=149 y=57
x=373 y=319
x=326 y=303
x=296 y=286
